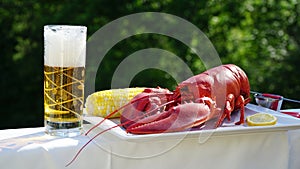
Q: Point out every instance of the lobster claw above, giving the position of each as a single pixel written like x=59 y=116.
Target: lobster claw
x=143 y=104
x=178 y=118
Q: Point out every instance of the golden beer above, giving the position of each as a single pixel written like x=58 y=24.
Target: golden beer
x=63 y=96
x=64 y=69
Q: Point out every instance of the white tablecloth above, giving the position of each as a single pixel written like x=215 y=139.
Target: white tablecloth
x=31 y=148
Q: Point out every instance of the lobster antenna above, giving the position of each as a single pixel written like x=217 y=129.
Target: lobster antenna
x=122 y=107
x=121 y=124
x=80 y=150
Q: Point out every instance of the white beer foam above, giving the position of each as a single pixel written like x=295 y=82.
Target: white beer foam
x=65 y=46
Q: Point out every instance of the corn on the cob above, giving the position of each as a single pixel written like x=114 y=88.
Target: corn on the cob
x=104 y=102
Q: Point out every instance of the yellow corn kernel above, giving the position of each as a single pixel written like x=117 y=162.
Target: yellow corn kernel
x=104 y=102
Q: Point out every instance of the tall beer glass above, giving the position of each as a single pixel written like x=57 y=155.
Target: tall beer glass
x=64 y=70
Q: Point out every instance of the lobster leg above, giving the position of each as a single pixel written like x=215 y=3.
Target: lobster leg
x=230 y=105
x=241 y=103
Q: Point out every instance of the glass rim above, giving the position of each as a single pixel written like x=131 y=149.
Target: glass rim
x=66 y=26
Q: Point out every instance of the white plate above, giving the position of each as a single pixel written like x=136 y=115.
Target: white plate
x=284 y=122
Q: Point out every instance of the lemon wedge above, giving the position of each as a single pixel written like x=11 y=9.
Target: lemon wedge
x=261 y=119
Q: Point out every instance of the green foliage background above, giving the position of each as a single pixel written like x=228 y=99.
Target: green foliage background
x=262 y=37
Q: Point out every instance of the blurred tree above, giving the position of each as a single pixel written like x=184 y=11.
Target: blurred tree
x=262 y=37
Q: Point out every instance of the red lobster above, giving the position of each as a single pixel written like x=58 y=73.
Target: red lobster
x=213 y=94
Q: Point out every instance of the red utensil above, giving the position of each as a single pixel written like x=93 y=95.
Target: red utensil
x=295 y=114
